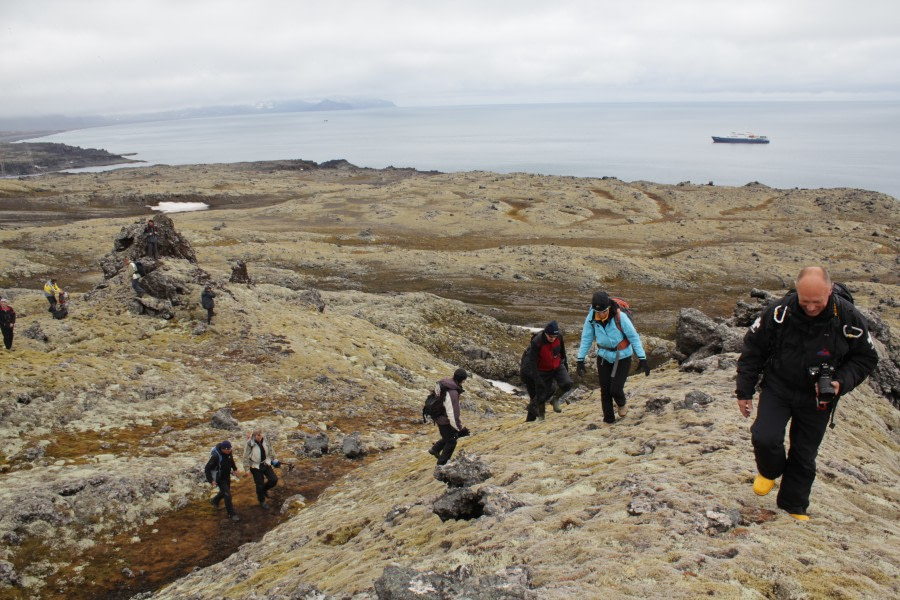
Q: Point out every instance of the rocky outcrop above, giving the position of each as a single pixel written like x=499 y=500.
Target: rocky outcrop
x=404 y=583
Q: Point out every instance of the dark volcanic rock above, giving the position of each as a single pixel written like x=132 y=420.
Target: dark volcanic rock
x=465 y=470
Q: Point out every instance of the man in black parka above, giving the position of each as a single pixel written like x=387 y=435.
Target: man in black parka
x=807 y=333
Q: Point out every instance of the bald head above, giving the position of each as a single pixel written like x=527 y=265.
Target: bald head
x=813 y=290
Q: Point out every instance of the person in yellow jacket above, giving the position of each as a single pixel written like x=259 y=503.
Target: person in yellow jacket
x=52 y=292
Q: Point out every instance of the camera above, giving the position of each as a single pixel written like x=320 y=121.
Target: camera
x=823 y=376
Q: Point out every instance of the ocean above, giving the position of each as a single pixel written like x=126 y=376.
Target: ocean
x=813 y=144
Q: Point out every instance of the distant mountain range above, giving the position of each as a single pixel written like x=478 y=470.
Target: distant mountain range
x=63 y=122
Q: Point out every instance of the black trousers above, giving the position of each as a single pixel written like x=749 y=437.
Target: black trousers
x=152 y=249
x=137 y=288
x=797 y=468
x=52 y=301
x=7 y=337
x=225 y=493
x=541 y=389
x=209 y=315
x=612 y=388
x=265 y=479
x=445 y=446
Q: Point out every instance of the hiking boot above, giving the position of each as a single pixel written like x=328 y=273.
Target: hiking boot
x=264 y=505
x=762 y=486
x=800 y=516
x=214 y=502
x=555 y=404
x=434 y=453
x=235 y=518
x=623 y=410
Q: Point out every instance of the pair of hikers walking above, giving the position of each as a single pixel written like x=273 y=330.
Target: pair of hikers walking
x=545 y=369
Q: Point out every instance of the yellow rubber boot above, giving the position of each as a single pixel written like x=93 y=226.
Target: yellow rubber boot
x=762 y=486
x=800 y=517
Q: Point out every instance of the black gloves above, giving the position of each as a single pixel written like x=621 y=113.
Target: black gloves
x=463 y=432
x=579 y=368
x=643 y=366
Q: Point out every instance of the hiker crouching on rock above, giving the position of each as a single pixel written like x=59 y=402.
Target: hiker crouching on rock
x=207 y=302
x=449 y=423
x=809 y=333
x=617 y=340
x=7 y=322
x=136 y=274
x=543 y=368
x=259 y=460
x=51 y=293
x=218 y=472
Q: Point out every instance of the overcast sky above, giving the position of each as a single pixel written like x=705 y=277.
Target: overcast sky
x=78 y=57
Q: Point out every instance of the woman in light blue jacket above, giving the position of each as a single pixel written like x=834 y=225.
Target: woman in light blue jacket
x=617 y=340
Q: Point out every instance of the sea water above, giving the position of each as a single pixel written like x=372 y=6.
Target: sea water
x=813 y=144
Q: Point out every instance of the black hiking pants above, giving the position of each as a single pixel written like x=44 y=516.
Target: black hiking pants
x=225 y=494
x=797 y=468
x=265 y=479
x=612 y=388
x=209 y=315
x=52 y=301
x=541 y=389
x=444 y=447
x=152 y=249
x=7 y=336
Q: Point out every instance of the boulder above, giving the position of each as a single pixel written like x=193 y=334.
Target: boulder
x=316 y=445
x=351 y=447
x=465 y=470
x=223 y=419
x=693 y=331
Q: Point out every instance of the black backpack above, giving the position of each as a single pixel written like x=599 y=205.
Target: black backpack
x=434 y=403
x=139 y=267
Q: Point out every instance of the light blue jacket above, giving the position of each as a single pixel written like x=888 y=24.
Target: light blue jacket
x=608 y=336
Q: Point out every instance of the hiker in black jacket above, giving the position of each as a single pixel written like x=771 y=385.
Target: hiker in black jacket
x=7 y=322
x=218 y=472
x=809 y=333
x=543 y=368
x=207 y=302
x=152 y=234
x=449 y=424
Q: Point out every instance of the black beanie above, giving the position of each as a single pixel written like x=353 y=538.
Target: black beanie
x=600 y=300
x=460 y=375
x=552 y=328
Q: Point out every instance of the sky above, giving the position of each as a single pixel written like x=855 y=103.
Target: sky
x=108 y=57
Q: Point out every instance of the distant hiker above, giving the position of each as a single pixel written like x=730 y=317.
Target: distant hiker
x=218 y=472
x=449 y=424
x=207 y=302
x=617 y=340
x=137 y=271
x=259 y=460
x=152 y=235
x=7 y=322
x=543 y=368
x=52 y=292
x=810 y=333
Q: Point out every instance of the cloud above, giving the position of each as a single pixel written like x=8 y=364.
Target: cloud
x=104 y=56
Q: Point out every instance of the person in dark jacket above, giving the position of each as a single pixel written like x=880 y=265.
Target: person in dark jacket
x=152 y=235
x=7 y=322
x=544 y=367
x=207 y=302
x=218 y=472
x=449 y=423
x=790 y=345
x=617 y=341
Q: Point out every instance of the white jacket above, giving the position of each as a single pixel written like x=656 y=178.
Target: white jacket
x=252 y=452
